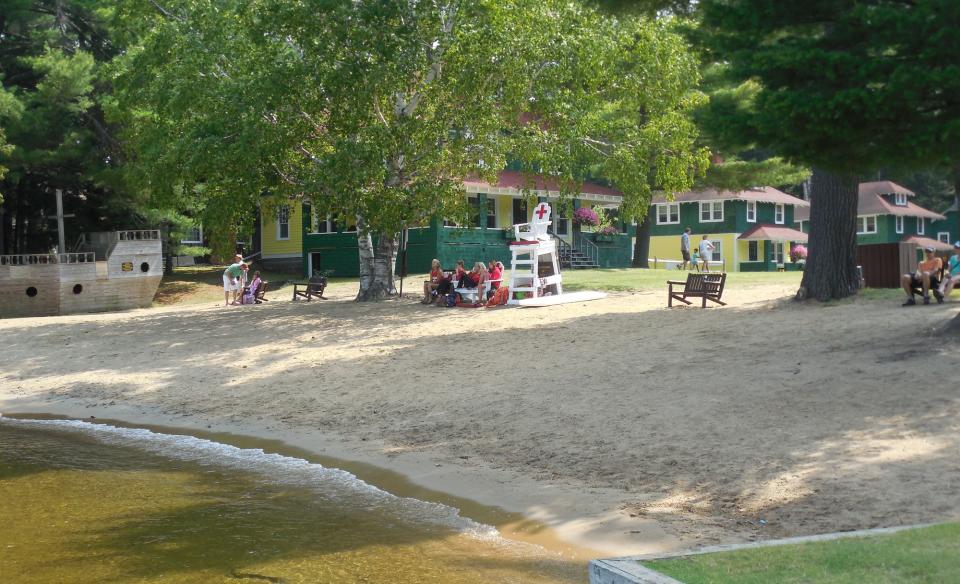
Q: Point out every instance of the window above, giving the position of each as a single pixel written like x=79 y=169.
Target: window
x=711 y=211
x=753 y=251
x=519 y=210
x=867 y=224
x=776 y=252
x=778 y=214
x=491 y=213
x=193 y=235
x=324 y=226
x=283 y=222
x=751 y=212
x=900 y=199
x=350 y=226
x=800 y=226
x=561 y=223
x=668 y=213
x=943 y=236
x=474 y=203
x=899 y=224
x=920 y=226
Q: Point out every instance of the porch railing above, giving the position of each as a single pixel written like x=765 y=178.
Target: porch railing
x=587 y=248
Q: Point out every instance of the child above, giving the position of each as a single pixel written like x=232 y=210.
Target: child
x=250 y=292
x=693 y=260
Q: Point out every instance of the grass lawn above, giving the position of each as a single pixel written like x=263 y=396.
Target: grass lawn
x=204 y=284
x=632 y=279
x=930 y=554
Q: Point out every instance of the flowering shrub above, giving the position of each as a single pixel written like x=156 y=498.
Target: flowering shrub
x=585 y=216
x=609 y=230
x=798 y=253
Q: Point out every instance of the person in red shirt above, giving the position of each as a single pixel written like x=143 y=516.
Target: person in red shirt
x=436 y=274
x=496 y=274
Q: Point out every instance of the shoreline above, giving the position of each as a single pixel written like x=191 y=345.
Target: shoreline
x=554 y=518
x=591 y=419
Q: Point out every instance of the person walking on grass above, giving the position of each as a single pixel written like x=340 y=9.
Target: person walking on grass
x=231 y=282
x=684 y=248
x=706 y=251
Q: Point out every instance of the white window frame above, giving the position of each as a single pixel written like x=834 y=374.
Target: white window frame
x=863 y=227
x=900 y=199
x=712 y=207
x=717 y=250
x=779 y=213
x=751 y=211
x=776 y=252
x=669 y=210
x=898 y=224
x=941 y=238
x=491 y=206
x=199 y=241
x=561 y=223
x=921 y=228
x=328 y=224
x=281 y=211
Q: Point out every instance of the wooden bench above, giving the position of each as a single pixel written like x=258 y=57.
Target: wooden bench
x=313 y=288
x=703 y=286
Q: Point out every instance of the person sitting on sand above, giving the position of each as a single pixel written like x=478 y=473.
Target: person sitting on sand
x=436 y=275
x=446 y=285
x=952 y=277
x=250 y=292
x=231 y=282
x=926 y=277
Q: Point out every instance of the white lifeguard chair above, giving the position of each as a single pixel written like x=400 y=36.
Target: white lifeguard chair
x=533 y=245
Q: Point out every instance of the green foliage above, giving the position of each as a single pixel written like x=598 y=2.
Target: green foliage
x=380 y=110
x=843 y=85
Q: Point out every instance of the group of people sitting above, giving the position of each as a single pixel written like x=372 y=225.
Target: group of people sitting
x=235 y=283
x=928 y=277
x=441 y=285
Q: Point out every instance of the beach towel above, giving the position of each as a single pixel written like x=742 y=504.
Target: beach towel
x=500 y=297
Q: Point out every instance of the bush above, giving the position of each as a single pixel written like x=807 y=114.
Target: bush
x=609 y=230
x=798 y=253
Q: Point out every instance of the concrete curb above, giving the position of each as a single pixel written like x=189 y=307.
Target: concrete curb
x=628 y=570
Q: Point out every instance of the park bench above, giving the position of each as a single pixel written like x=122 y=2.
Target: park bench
x=703 y=286
x=313 y=288
x=470 y=294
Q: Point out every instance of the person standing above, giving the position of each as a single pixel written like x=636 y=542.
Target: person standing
x=684 y=248
x=706 y=252
x=231 y=282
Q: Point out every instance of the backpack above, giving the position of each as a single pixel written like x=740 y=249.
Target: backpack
x=451 y=300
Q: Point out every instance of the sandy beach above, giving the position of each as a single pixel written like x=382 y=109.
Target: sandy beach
x=624 y=426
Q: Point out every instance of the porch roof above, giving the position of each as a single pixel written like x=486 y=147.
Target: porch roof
x=925 y=242
x=773 y=233
x=512 y=182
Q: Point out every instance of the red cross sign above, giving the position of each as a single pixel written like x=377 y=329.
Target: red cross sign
x=541 y=211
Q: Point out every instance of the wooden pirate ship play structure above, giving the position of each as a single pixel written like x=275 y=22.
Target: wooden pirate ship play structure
x=113 y=270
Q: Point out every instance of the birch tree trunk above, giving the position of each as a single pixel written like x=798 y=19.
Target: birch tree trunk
x=831 y=270
x=377 y=264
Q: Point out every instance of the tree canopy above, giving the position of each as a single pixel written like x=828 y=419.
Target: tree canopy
x=380 y=110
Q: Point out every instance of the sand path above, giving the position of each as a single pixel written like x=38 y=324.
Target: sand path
x=628 y=427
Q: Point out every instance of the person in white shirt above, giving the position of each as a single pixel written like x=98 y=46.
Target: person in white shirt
x=706 y=252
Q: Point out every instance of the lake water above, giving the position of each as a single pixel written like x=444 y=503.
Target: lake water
x=83 y=502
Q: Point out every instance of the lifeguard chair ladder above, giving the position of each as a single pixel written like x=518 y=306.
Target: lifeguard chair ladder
x=532 y=243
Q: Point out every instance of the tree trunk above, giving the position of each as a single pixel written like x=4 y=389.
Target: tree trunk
x=641 y=249
x=831 y=270
x=376 y=264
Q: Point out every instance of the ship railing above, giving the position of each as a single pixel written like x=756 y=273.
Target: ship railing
x=138 y=235
x=34 y=259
